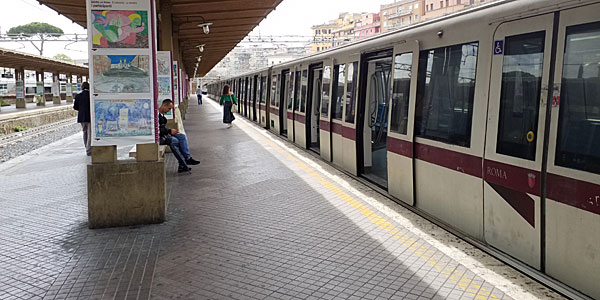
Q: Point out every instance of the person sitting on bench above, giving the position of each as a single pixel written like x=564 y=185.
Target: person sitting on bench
x=176 y=141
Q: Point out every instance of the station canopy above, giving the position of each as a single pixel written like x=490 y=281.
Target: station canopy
x=231 y=20
x=17 y=60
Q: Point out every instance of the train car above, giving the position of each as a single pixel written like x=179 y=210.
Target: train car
x=485 y=120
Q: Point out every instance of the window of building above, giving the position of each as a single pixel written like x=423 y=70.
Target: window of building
x=519 y=97
x=579 y=115
x=431 y=6
x=416 y=5
x=325 y=91
x=458 y=1
x=318 y=48
x=410 y=7
x=351 y=87
x=409 y=19
x=416 y=18
x=441 y=3
x=337 y=97
x=447 y=3
x=445 y=91
x=401 y=92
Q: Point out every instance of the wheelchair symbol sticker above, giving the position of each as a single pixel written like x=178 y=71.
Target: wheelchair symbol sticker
x=498 y=47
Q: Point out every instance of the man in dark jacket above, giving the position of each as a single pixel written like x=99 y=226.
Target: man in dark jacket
x=82 y=105
x=176 y=141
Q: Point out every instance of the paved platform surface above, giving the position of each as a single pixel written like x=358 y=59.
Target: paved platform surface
x=258 y=219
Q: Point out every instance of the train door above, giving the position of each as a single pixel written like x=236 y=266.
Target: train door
x=263 y=100
x=250 y=97
x=515 y=137
x=300 y=108
x=239 y=95
x=290 y=106
x=402 y=113
x=572 y=205
x=377 y=71
x=313 y=107
x=284 y=98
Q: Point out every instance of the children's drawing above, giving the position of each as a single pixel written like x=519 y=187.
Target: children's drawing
x=121 y=73
x=120 y=29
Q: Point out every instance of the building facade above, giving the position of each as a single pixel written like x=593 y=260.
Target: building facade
x=400 y=14
x=344 y=33
x=369 y=25
x=438 y=8
x=323 y=36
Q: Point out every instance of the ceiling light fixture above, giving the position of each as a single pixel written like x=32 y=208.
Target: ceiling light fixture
x=200 y=48
x=205 y=27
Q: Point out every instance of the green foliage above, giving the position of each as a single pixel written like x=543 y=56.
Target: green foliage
x=35 y=28
x=63 y=57
x=20 y=128
x=4 y=103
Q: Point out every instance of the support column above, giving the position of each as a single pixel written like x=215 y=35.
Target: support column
x=20 y=88
x=40 y=93
x=55 y=88
x=69 y=88
x=166 y=26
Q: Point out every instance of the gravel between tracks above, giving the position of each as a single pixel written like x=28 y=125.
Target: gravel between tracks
x=31 y=142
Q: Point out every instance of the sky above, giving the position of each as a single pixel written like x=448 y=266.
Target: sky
x=292 y=17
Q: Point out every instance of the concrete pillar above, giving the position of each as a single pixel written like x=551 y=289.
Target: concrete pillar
x=69 y=88
x=40 y=94
x=55 y=88
x=20 y=88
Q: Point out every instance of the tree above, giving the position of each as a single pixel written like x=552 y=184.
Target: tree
x=43 y=31
x=63 y=57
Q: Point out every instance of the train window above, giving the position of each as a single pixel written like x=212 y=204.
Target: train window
x=297 y=91
x=401 y=92
x=325 y=95
x=263 y=89
x=278 y=90
x=304 y=90
x=290 y=90
x=579 y=116
x=338 y=92
x=273 y=89
x=520 y=94
x=445 y=91
x=351 y=91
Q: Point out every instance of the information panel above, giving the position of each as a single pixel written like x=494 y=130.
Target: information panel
x=122 y=71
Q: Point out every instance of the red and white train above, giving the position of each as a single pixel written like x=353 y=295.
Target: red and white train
x=487 y=120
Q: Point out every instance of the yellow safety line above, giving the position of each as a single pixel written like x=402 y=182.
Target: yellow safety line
x=475 y=290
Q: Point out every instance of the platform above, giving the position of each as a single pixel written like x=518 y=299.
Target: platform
x=9 y=112
x=259 y=218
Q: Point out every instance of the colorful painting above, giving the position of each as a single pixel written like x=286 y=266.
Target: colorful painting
x=164 y=86
x=121 y=73
x=117 y=118
x=119 y=29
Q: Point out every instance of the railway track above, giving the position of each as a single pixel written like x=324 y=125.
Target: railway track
x=21 y=136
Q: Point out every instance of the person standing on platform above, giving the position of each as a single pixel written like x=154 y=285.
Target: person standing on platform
x=82 y=106
x=177 y=141
x=228 y=100
x=199 y=94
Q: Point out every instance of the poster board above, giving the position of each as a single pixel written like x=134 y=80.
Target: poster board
x=122 y=48
x=39 y=88
x=165 y=79
x=20 y=91
x=177 y=99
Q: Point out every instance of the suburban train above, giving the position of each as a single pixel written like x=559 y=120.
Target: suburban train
x=486 y=120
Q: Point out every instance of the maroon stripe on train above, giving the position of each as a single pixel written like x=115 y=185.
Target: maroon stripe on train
x=457 y=161
x=324 y=125
x=301 y=118
x=573 y=192
x=336 y=128
x=274 y=110
x=349 y=133
x=520 y=201
x=290 y=115
x=513 y=177
x=401 y=147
